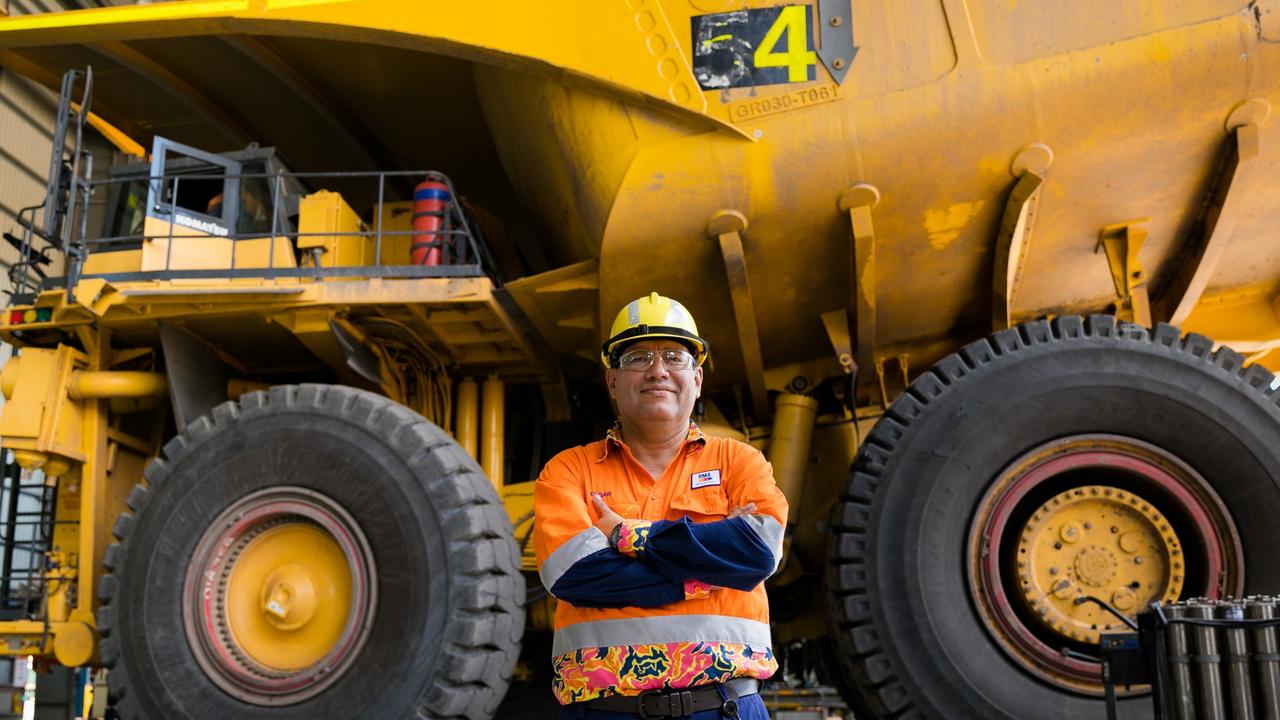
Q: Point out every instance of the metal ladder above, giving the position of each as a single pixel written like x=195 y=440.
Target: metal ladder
x=26 y=537
x=66 y=203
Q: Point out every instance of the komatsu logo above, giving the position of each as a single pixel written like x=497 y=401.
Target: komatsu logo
x=202 y=225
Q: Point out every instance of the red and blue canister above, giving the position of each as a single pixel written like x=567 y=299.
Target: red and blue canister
x=430 y=205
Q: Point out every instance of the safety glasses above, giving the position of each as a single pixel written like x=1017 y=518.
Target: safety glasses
x=672 y=359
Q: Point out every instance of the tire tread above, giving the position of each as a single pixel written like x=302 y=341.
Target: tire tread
x=868 y=664
x=486 y=622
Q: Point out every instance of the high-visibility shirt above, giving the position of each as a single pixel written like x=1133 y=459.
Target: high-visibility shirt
x=681 y=601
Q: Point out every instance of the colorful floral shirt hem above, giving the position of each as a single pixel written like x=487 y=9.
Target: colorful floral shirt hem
x=592 y=673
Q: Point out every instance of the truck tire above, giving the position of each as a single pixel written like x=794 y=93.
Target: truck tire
x=1054 y=457
x=314 y=551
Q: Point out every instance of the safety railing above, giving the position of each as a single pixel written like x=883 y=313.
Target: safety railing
x=449 y=245
x=39 y=255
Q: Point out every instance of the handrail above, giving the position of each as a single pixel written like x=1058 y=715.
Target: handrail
x=462 y=252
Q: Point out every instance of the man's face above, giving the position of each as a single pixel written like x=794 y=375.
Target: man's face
x=656 y=395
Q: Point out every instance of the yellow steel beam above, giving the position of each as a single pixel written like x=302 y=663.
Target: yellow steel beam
x=1012 y=245
x=113 y=134
x=467 y=427
x=97 y=510
x=1196 y=267
x=165 y=298
x=726 y=227
x=858 y=201
x=836 y=323
x=492 y=430
x=118 y=383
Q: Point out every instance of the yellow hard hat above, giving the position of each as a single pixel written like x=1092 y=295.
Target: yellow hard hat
x=653 y=316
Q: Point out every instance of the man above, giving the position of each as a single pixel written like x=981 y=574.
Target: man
x=656 y=541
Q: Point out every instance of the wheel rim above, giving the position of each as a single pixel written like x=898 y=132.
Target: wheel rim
x=1101 y=542
x=1106 y=517
x=280 y=596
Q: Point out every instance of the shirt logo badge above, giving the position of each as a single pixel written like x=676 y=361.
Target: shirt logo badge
x=709 y=478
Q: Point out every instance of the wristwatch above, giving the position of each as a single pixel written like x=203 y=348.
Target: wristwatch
x=615 y=535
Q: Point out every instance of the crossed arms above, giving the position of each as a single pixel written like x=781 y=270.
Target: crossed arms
x=656 y=563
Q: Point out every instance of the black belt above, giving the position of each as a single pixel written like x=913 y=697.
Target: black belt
x=680 y=703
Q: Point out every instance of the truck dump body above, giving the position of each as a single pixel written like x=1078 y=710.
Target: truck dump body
x=595 y=120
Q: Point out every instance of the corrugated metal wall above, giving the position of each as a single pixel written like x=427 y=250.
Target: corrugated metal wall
x=27 y=7
x=26 y=131
x=27 y=115
x=26 y=118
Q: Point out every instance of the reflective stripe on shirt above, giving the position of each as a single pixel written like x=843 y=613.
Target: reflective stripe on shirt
x=660 y=629
x=770 y=532
x=574 y=549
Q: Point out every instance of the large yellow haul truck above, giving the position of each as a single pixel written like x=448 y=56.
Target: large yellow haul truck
x=958 y=262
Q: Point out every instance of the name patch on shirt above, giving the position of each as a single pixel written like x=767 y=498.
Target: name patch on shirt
x=709 y=478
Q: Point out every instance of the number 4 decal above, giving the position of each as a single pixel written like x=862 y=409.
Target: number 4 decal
x=760 y=46
x=797 y=58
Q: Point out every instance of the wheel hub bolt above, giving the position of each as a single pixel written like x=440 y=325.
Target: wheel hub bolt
x=1069 y=533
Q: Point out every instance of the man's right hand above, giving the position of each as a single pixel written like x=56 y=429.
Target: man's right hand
x=608 y=518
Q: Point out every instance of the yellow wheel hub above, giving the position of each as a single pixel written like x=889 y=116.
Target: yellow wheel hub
x=1101 y=542
x=288 y=596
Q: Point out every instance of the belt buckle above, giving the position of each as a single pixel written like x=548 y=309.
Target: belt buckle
x=644 y=714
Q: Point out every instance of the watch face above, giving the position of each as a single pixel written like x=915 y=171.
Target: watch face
x=730 y=708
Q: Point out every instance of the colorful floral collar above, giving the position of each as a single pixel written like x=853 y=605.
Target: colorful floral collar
x=614 y=437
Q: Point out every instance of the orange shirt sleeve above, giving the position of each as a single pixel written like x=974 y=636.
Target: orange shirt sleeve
x=559 y=510
x=750 y=480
